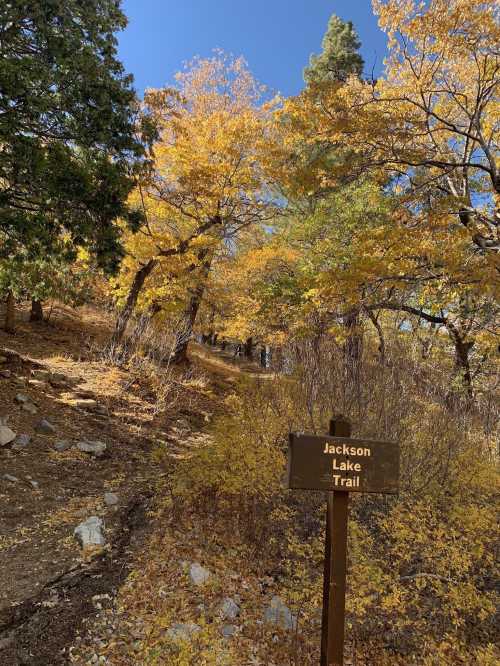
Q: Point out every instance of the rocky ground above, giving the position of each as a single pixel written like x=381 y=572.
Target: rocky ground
x=93 y=567
x=76 y=443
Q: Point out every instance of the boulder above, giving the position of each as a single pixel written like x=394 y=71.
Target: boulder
x=228 y=609
x=45 y=427
x=5 y=374
x=198 y=574
x=90 y=532
x=94 y=448
x=3 y=359
x=183 y=631
x=110 y=499
x=63 y=445
x=22 y=398
x=6 y=435
x=30 y=408
x=279 y=614
x=9 y=477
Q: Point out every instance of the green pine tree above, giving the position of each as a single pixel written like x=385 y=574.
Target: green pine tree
x=340 y=57
x=67 y=136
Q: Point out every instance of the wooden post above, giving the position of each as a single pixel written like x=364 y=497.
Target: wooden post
x=333 y=616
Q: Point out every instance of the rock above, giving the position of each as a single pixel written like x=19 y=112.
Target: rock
x=228 y=630
x=6 y=435
x=22 y=398
x=101 y=409
x=83 y=393
x=21 y=442
x=95 y=448
x=198 y=574
x=58 y=378
x=90 y=532
x=183 y=632
x=5 y=374
x=3 y=359
x=279 y=614
x=57 y=385
x=229 y=609
x=9 y=477
x=35 y=484
x=63 y=445
x=37 y=383
x=30 y=408
x=45 y=427
x=110 y=499
x=84 y=403
x=40 y=373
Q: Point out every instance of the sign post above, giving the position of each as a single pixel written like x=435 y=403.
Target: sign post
x=339 y=464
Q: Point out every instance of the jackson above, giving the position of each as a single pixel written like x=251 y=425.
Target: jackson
x=345 y=450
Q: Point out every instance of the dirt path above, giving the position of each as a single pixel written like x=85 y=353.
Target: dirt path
x=39 y=630
x=48 y=588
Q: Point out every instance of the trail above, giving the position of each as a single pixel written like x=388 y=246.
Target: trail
x=48 y=588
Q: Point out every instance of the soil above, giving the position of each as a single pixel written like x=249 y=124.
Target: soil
x=48 y=585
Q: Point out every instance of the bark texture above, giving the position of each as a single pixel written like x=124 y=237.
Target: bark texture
x=135 y=289
x=36 y=313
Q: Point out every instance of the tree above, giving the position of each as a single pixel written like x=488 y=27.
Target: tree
x=43 y=278
x=431 y=123
x=427 y=132
x=209 y=180
x=340 y=57
x=67 y=130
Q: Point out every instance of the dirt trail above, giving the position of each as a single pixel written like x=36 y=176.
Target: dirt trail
x=47 y=589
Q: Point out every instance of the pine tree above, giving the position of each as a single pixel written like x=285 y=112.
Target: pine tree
x=339 y=58
x=66 y=128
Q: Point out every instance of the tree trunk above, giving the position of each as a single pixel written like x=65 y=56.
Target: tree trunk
x=353 y=349
x=179 y=354
x=10 y=314
x=249 y=348
x=144 y=321
x=380 y=333
x=133 y=294
x=462 y=363
x=36 y=313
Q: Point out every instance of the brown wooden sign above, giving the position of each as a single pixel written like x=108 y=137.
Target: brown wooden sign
x=339 y=465
x=342 y=464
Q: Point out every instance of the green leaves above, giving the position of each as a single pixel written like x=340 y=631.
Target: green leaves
x=69 y=153
x=339 y=58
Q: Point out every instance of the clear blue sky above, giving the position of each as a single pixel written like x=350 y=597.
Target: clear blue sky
x=276 y=37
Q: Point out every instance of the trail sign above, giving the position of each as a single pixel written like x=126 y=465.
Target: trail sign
x=339 y=465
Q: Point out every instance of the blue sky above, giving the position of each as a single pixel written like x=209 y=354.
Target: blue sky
x=276 y=37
